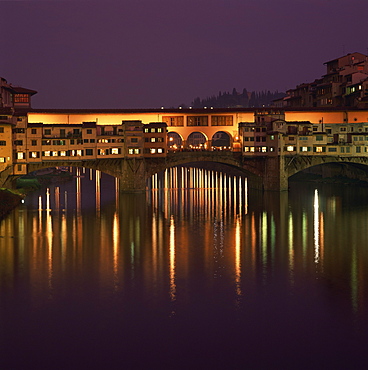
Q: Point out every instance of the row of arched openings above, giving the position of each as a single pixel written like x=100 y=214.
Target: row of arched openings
x=197 y=140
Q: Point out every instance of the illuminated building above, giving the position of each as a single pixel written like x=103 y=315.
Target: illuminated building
x=345 y=84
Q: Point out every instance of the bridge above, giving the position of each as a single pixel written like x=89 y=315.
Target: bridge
x=262 y=172
x=268 y=149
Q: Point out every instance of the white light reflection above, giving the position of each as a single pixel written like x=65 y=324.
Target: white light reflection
x=172 y=260
x=316 y=227
x=98 y=192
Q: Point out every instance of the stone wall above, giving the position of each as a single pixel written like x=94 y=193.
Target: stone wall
x=8 y=201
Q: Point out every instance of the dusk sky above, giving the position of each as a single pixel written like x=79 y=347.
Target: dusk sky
x=153 y=53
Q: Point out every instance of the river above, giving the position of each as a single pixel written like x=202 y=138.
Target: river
x=198 y=272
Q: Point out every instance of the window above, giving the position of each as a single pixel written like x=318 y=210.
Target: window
x=34 y=142
x=47 y=153
x=319 y=137
x=153 y=139
x=115 y=151
x=62 y=132
x=21 y=155
x=76 y=131
x=89 y=132
x=134 y=140
x=160 y=150
x=47 y=131
x=18 y=142
x=34 y=154
x=221 y=120
x=173 y=120
x=34 y=131
x=159 y=129
x=152 y=150
x=91 y=140
x=21 y=98
x=2 y=159
x=197 y=121
x=332 y=150
x=89 y=151
x=357 y=149
x=137 y=151
x=2 y=142
x=1 y=130
x=62 y=153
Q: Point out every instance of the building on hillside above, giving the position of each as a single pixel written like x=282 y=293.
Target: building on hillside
x=345 y=84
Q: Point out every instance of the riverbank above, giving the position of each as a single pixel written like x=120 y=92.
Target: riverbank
x=8 y=201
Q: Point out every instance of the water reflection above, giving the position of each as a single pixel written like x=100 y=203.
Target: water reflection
x=197 y=243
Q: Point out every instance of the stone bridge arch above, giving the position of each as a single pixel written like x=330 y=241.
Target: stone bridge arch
x=296 y=164
x=250 y=168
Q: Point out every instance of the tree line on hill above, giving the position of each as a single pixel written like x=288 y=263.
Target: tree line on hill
x=235 y=99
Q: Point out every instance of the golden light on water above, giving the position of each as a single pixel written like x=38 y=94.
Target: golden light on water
x=238 y=256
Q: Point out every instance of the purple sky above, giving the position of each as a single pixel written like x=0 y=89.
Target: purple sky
x=152 y=53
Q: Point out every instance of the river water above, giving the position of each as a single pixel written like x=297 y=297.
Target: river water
x=197 y=273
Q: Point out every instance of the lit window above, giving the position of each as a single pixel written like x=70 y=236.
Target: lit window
x=131 y=151
x=2 y=159
x=264 y=149
x=34 y=154
x=290 y=148
x=251 y=149
x=55 y=153
x=153 y=139
x=152 y=150
x=79 y=152
x=160 y=150
x=319 y=149
x=114 y=151
x=62 y=153
x=304 y=149
x=20 y=155
x=47 y=153
x=137 y=151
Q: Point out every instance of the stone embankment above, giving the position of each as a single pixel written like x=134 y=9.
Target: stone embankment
x=8 y=201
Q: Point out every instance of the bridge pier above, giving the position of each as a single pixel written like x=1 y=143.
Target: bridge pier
x=275 y=177
x=132 y=177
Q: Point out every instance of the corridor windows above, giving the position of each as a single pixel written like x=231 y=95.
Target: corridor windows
x=173 y=120
x=197 y=121
x=221 y=120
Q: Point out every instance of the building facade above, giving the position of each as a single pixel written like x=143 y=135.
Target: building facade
x=345 y=84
